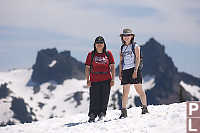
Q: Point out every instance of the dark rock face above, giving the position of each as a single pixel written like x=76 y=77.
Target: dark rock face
x=156 y=61
x=77 y=97
x=167 y=87
x=41 y=105
x=4 y=91
x=18 y=106
x=51 y=65
x=167 y=78
x=189 y=79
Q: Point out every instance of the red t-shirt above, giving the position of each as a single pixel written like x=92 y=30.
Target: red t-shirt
x=100 y=63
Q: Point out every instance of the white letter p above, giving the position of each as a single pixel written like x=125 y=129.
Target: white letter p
x=193 y=107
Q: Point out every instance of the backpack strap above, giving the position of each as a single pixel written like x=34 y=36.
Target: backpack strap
x=122 y=47
x=133 y=47
x=108 y=55
x=92 y=57
x=121 y=52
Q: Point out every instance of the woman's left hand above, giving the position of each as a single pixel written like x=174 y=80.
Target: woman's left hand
x=112 y=82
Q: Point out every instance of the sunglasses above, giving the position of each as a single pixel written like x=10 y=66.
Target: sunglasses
x=99 y=42
x=127 y=35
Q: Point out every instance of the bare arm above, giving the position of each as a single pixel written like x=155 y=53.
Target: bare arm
x=137 y=61
x=87 y=74
x=137 y=56
x=112 y=66
x=120 y=66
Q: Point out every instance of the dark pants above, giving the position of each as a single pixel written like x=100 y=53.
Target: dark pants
x=99 y=97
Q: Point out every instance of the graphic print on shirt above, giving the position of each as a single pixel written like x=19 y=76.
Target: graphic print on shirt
x=128 y=57
x=100 y=60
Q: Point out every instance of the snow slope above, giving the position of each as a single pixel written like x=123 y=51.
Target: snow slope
x=62 y=104
x=69 y=98
x=162 y=118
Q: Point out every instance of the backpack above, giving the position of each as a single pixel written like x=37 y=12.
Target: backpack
x=91 y=67
x=141 y=55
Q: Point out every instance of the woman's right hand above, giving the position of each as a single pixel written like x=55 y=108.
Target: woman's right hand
x=88 y=83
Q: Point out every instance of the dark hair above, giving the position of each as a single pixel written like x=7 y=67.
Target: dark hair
x=132 y=39
x=104 y=49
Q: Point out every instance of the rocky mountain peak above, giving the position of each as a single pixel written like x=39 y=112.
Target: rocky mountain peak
x=55 y=66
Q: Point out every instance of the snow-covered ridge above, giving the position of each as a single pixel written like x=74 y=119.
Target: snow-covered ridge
x=53 y=100
x=165 y=118
x=192 y=89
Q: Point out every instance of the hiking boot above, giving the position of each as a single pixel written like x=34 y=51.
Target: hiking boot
x=92 y=118
x=123 y=113
x=101 y=116
x=144 y=109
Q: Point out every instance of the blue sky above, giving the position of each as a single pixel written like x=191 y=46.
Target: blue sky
x=27 y=26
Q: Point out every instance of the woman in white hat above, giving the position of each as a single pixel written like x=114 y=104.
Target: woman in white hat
x=130 y=70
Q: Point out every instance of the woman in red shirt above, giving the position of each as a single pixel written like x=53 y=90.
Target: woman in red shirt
x=100 y=74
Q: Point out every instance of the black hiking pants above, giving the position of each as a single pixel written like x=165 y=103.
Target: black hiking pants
x=99 y=97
